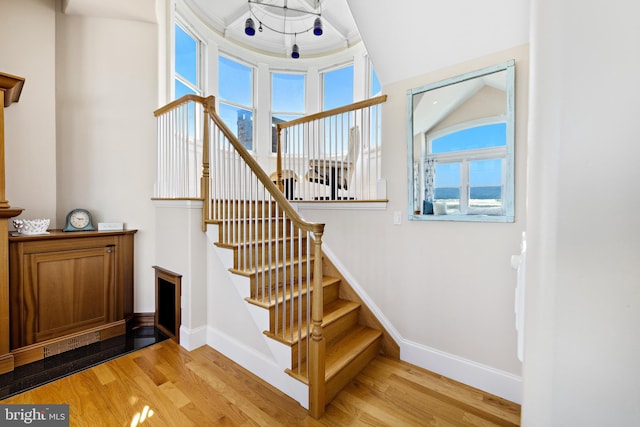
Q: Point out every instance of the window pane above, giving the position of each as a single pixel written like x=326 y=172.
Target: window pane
x=493 y=135
x=375 y=84
x=287 y=93
x=181 y=89
x=240 y=122
x=235 y=82
x=485 y=172
x=186 y=52
x=281 y=118
x=485 y=186
x=447 y=175
x=447 y=185
x=338 y=88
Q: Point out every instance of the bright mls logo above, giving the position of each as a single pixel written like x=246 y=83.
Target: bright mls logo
x=34 y=415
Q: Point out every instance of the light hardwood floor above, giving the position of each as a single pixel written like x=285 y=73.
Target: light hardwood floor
x=204 y=388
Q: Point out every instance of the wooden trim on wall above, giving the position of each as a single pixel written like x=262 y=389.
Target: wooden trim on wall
x=12 y=87
x=142 y=319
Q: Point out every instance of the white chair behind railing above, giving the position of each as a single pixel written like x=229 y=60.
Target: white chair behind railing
x=335 y=153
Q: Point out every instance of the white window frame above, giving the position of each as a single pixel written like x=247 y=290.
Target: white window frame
x=200 y=59
x=323 y=72
x=286 y=113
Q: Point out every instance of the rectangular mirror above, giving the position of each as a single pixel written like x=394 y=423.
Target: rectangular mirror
x=461 y=147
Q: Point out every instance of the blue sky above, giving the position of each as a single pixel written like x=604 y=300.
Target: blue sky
x=481 y=172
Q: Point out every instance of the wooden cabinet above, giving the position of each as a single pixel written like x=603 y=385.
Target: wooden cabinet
x=68 y=290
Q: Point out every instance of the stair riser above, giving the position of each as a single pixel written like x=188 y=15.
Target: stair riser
x=340 y=380
x=292 y=286
x=279 y=276
x=329 y=332
x=244 y=209
x=250 y=256
x=241 y=231
x=279 y=319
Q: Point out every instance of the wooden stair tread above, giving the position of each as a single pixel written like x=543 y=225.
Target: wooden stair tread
x=332 y=312
x=343 y=350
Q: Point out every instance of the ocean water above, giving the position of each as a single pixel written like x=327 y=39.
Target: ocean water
x=493 y=192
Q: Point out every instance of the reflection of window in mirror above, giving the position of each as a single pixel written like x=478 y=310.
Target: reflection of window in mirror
x=468 y=157
x=461 y=147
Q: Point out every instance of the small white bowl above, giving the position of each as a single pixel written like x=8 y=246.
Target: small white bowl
x=31 y=226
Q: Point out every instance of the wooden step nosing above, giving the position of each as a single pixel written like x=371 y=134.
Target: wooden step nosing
x=236 y=245
x=335 y=365
x=271 y=267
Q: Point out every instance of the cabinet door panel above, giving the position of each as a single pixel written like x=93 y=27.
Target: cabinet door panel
x=68 y=291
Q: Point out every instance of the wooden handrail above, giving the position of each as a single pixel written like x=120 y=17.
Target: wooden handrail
x=182 y=100
x=340 y=110
x=265 y=180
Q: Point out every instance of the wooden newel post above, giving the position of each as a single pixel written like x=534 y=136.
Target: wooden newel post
x=205 y=191
x=317 y=346
x=10 y=89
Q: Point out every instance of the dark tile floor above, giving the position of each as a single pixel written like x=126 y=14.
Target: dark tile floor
x=51 y=368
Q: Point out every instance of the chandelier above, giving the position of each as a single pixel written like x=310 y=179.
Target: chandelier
x=273 y=15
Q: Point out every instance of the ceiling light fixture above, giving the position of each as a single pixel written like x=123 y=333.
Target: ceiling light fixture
x=273 y=15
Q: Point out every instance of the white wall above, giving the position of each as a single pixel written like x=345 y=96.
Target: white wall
x=583 y=290
x=446 y=287
x=27 y=49
x=83 y=133
x=107 y=89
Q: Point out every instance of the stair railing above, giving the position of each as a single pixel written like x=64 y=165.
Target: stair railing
x=332 y=155
x=275 y=248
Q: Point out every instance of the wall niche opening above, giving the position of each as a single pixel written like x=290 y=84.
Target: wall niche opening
x=168 y=291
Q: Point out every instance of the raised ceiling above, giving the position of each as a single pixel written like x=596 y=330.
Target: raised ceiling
x=228 y=17
x=404 y=39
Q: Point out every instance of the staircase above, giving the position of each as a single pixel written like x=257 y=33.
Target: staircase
x=330 y=337
x=280 y=284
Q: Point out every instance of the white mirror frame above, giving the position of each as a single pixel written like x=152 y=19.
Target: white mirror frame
x=413 y=174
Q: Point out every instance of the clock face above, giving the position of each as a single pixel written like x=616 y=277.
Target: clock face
x=79 y=219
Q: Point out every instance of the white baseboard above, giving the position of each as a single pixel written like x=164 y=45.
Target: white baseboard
x=191 y=339
x=485 y=378
x=259 y=365
x=488 y=379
